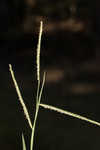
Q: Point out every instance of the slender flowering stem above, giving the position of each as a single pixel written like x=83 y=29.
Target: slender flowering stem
x=20 y=96
x=38 y=51
x=69 y=114
x=36 y=113
x=39 y=90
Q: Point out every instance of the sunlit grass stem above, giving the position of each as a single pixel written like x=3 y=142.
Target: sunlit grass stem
x=36 y=114
x=39 y=91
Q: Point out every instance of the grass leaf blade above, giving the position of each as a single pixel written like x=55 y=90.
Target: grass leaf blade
x=41 y=91
x=23 y=142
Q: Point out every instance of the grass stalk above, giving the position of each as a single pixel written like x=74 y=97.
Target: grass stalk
x=36 y=113
x=39 y=91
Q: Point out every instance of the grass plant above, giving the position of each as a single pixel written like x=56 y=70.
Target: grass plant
x=38 y=98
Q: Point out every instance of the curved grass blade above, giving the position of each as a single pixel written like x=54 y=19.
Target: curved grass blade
x=23 y=142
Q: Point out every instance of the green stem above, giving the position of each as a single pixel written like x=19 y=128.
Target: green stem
x=39 y=94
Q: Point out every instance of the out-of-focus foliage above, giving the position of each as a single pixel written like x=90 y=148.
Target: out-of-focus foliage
x=20 y=16
x=55 y=9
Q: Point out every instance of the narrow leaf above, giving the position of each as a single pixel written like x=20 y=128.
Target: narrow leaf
x=23 y=142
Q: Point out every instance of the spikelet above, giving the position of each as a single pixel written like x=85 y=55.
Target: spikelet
x=38 y=51
x=70 y=114
x=20 y=96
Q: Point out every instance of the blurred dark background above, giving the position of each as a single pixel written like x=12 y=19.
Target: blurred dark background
x=70 y=54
